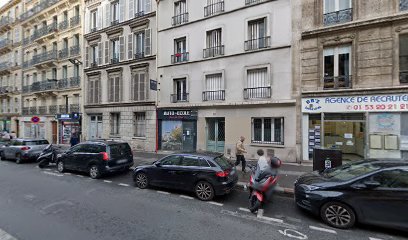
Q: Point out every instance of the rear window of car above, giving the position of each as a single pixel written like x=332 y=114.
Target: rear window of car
x=117 y=150
x=223 y=162
x=190 y=161
x=93 y=148
x=33 y=143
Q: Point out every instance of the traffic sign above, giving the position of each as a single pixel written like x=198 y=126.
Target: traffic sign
x=35 y=119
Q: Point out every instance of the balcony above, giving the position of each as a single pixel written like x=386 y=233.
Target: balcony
x=179 y=97
x=179 y=19
x=45 y=58
x=250 y=2
x=5 y=24
x=75 y=50
x=66 y=83
x=139 y=14
x=404 y=77
x=26 y=111
x=26 y=41
x=218 y=95
x=63 y=109
x=93 y=65
x=115 y=22
x=75 y=21
x=213 y=9
x=64 y=53
x=255 y=44
x=44 y=4
x=63 y=25
x=33 y=111
x=75 y=82
x=26 y=89
x=342 y=16
x=5 y=67
x=179 y=57
x=43 y=86
x=94 y=29
x=138 y=55
x=339 y=82
x=213 y=51
x=42 y=110
x=45 y=31
x=53 y=109
x=6 y=45
x=257 y=93
x=74 y=108
x=114 y=59
x=26 y=64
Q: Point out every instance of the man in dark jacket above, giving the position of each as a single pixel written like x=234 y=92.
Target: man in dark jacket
x=74 y=139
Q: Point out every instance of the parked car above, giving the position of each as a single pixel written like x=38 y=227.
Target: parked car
x=22 y=150
x=206 y=174
x=372 y=192
x=3 y=143
x=96 y=157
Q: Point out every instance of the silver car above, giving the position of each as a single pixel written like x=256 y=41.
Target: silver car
x=22 y=149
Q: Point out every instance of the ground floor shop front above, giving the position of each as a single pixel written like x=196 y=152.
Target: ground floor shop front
x=364 y=126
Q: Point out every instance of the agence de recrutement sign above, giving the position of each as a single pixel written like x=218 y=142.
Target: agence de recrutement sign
x=369 y=103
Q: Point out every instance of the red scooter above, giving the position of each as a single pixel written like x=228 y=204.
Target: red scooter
x=262 y=184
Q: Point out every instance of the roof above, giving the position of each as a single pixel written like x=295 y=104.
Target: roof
x=201 y=154
x=105 y=141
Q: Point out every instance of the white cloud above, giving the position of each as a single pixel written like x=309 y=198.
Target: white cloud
x=2 y=2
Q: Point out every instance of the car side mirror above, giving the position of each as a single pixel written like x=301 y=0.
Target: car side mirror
x=372 y=184
x=157 y=164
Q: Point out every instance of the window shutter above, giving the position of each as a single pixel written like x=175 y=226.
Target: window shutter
x=136 y=87
x=100 y=50
x=122 y=6
x=148 y=6
x=106 y=52
x=87 y=21
x=148 y=42
x=131 y=9
x=98 y=91
x=117 y=89
x=99 y=18
x=121 y=48
x=87 y=57
x=111 y=89
x=130 y=47
x=107 y=15
x=142 y=79
x=90 y=91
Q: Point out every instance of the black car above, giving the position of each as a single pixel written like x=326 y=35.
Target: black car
x=96 y=158
x=206 y=174
x=371 y=191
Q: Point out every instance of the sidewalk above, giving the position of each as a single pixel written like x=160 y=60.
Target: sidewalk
x=288 y=172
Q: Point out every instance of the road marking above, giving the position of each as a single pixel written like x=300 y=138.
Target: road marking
x=161 y=192
x=254 y=218
x=124 y=185
x=53 y=174
x=79 y=176
x=5 y=236
x=244 y=209
x=186 y=197
x=293 y=234
x=271 y=219
x=322 y=229
x=56 y=171
x=215 y=203
x=67 y=173
x=107 y=181
x=371 y=238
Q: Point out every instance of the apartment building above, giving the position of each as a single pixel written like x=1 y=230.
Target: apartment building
x=51 y=79
x=225 y=71
x=10 y=66
x=119 y=61
x=354 y=73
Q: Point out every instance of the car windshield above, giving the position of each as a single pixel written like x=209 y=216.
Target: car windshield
x=223 y=162
x=350 y=171
x=39 y=142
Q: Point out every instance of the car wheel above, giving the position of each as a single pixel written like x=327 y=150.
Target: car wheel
x=141 y=180
x=94 y=172
x=18 y=158
x=254 y=204
x=60 y=166
x=204 y=191
x=338 y=215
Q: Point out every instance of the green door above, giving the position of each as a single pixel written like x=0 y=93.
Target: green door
x=216 y=134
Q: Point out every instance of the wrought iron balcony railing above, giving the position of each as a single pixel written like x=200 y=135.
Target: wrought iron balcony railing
x=5 y=43
x=5 y=21
x=26 y=41
x=214 y=95
x=75 y=81
x=75 y=21
x=214 y=8
x=342 y=16
x=74 y=50
x=403 y=76
x=338 y=82
x=115 y=22
x=33 y=110
x=44 y=57
x=42 y=110
x=63 y=25
x=38 y=8
x=74 y=108
x=259 y=43
x=139 y=14
x=179 y=19
x=139 y=55
x=63 y=109
x=53 y=109
x=257 y=92
x=179 y=97
x=64 y=53
x=26 y=111
x=5 y=66
x=403 y=5
x=213 y=51
x=179 y=57
x=114 y=60
x=44 y=31
x=26 y=89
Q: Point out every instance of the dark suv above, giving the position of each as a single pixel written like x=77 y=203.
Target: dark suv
x=97 y=158
x=206 y=174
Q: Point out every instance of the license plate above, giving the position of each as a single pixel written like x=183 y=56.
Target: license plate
x=121 y=161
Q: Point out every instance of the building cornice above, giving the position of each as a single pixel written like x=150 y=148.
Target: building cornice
x=354 y=92
x=120 y=104
x=119 y=64
x=243 y=104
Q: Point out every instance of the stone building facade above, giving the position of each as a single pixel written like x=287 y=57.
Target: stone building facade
x=119 y=58
x=354 y=62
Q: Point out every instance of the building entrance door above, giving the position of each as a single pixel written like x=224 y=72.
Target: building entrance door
x=95 y=127
x=216 y=134
x=188 y=135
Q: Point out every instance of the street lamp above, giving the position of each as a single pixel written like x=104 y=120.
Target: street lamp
x=75 y=61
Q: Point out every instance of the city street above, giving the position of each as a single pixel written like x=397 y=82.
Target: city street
x=44 y=204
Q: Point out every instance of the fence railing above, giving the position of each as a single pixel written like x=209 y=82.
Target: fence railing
x=179 y=57
x=75 y=20
x=214 y=8
x=338 y=82
x=213 y=51
x=179 y=97
x=179 y=19
x=342 y=16
x=214 y=95
x=38 y=8
x=259 y=43
x=257 y=92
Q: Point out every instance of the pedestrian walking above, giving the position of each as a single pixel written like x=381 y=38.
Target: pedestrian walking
x=239 y=152
x=74 y=139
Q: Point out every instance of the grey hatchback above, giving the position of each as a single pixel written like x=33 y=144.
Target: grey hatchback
x=22 y=149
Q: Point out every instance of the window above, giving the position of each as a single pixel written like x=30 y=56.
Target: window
x=139 y=90
x=64 y=72
x=114 y=89
x=139 y=44
x=115 y=123
x=257 y=35
x=213 y=7
x=115 y=51
x=191 y=161
x=214 y=87
x=267 y=130
x=43 y=76
x=337 y=11
x=94 y=20
x=391 y=179
x=171 y=161
x=115 y=13
x=337 y=67
x=142 y=7
x=403 y=5
x=258 y=84
x=94 y=56
x=180 y=13
x=94 y=85
x=180 y=50
x=140 y=124
x=214 y=44
x=403 y=58
x=180 y=90
x=95 y=148
x=34 y=78
x=54 y=74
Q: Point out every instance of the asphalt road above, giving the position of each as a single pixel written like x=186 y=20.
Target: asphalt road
x=43 y=204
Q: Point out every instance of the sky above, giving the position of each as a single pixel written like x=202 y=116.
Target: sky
x=2 y=2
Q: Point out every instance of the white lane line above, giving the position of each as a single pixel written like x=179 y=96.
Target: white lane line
x=371 y=238
x=124 y=185
x=107 y=181
x=5 y=236
x=67 y=173
x=322 y=229
x=56 y=171
x=186 y=197
x=79 y=176
x=161 y=192
x=244 y=209
x=261 y=216
x=216 y=204
x=53 y=174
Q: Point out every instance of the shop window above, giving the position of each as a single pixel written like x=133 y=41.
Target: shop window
x=115 y=124
x=139 y=124
x=403 y=56
x=337 y=11
x=267 y=130
x=337 y=67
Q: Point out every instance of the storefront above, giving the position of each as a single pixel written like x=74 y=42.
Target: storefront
x=372 y=126
x=33 y=129
x=177 y=130
x=5 y=124
x=67 y=125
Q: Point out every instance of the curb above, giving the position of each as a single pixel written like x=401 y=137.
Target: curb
x=279 y=190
